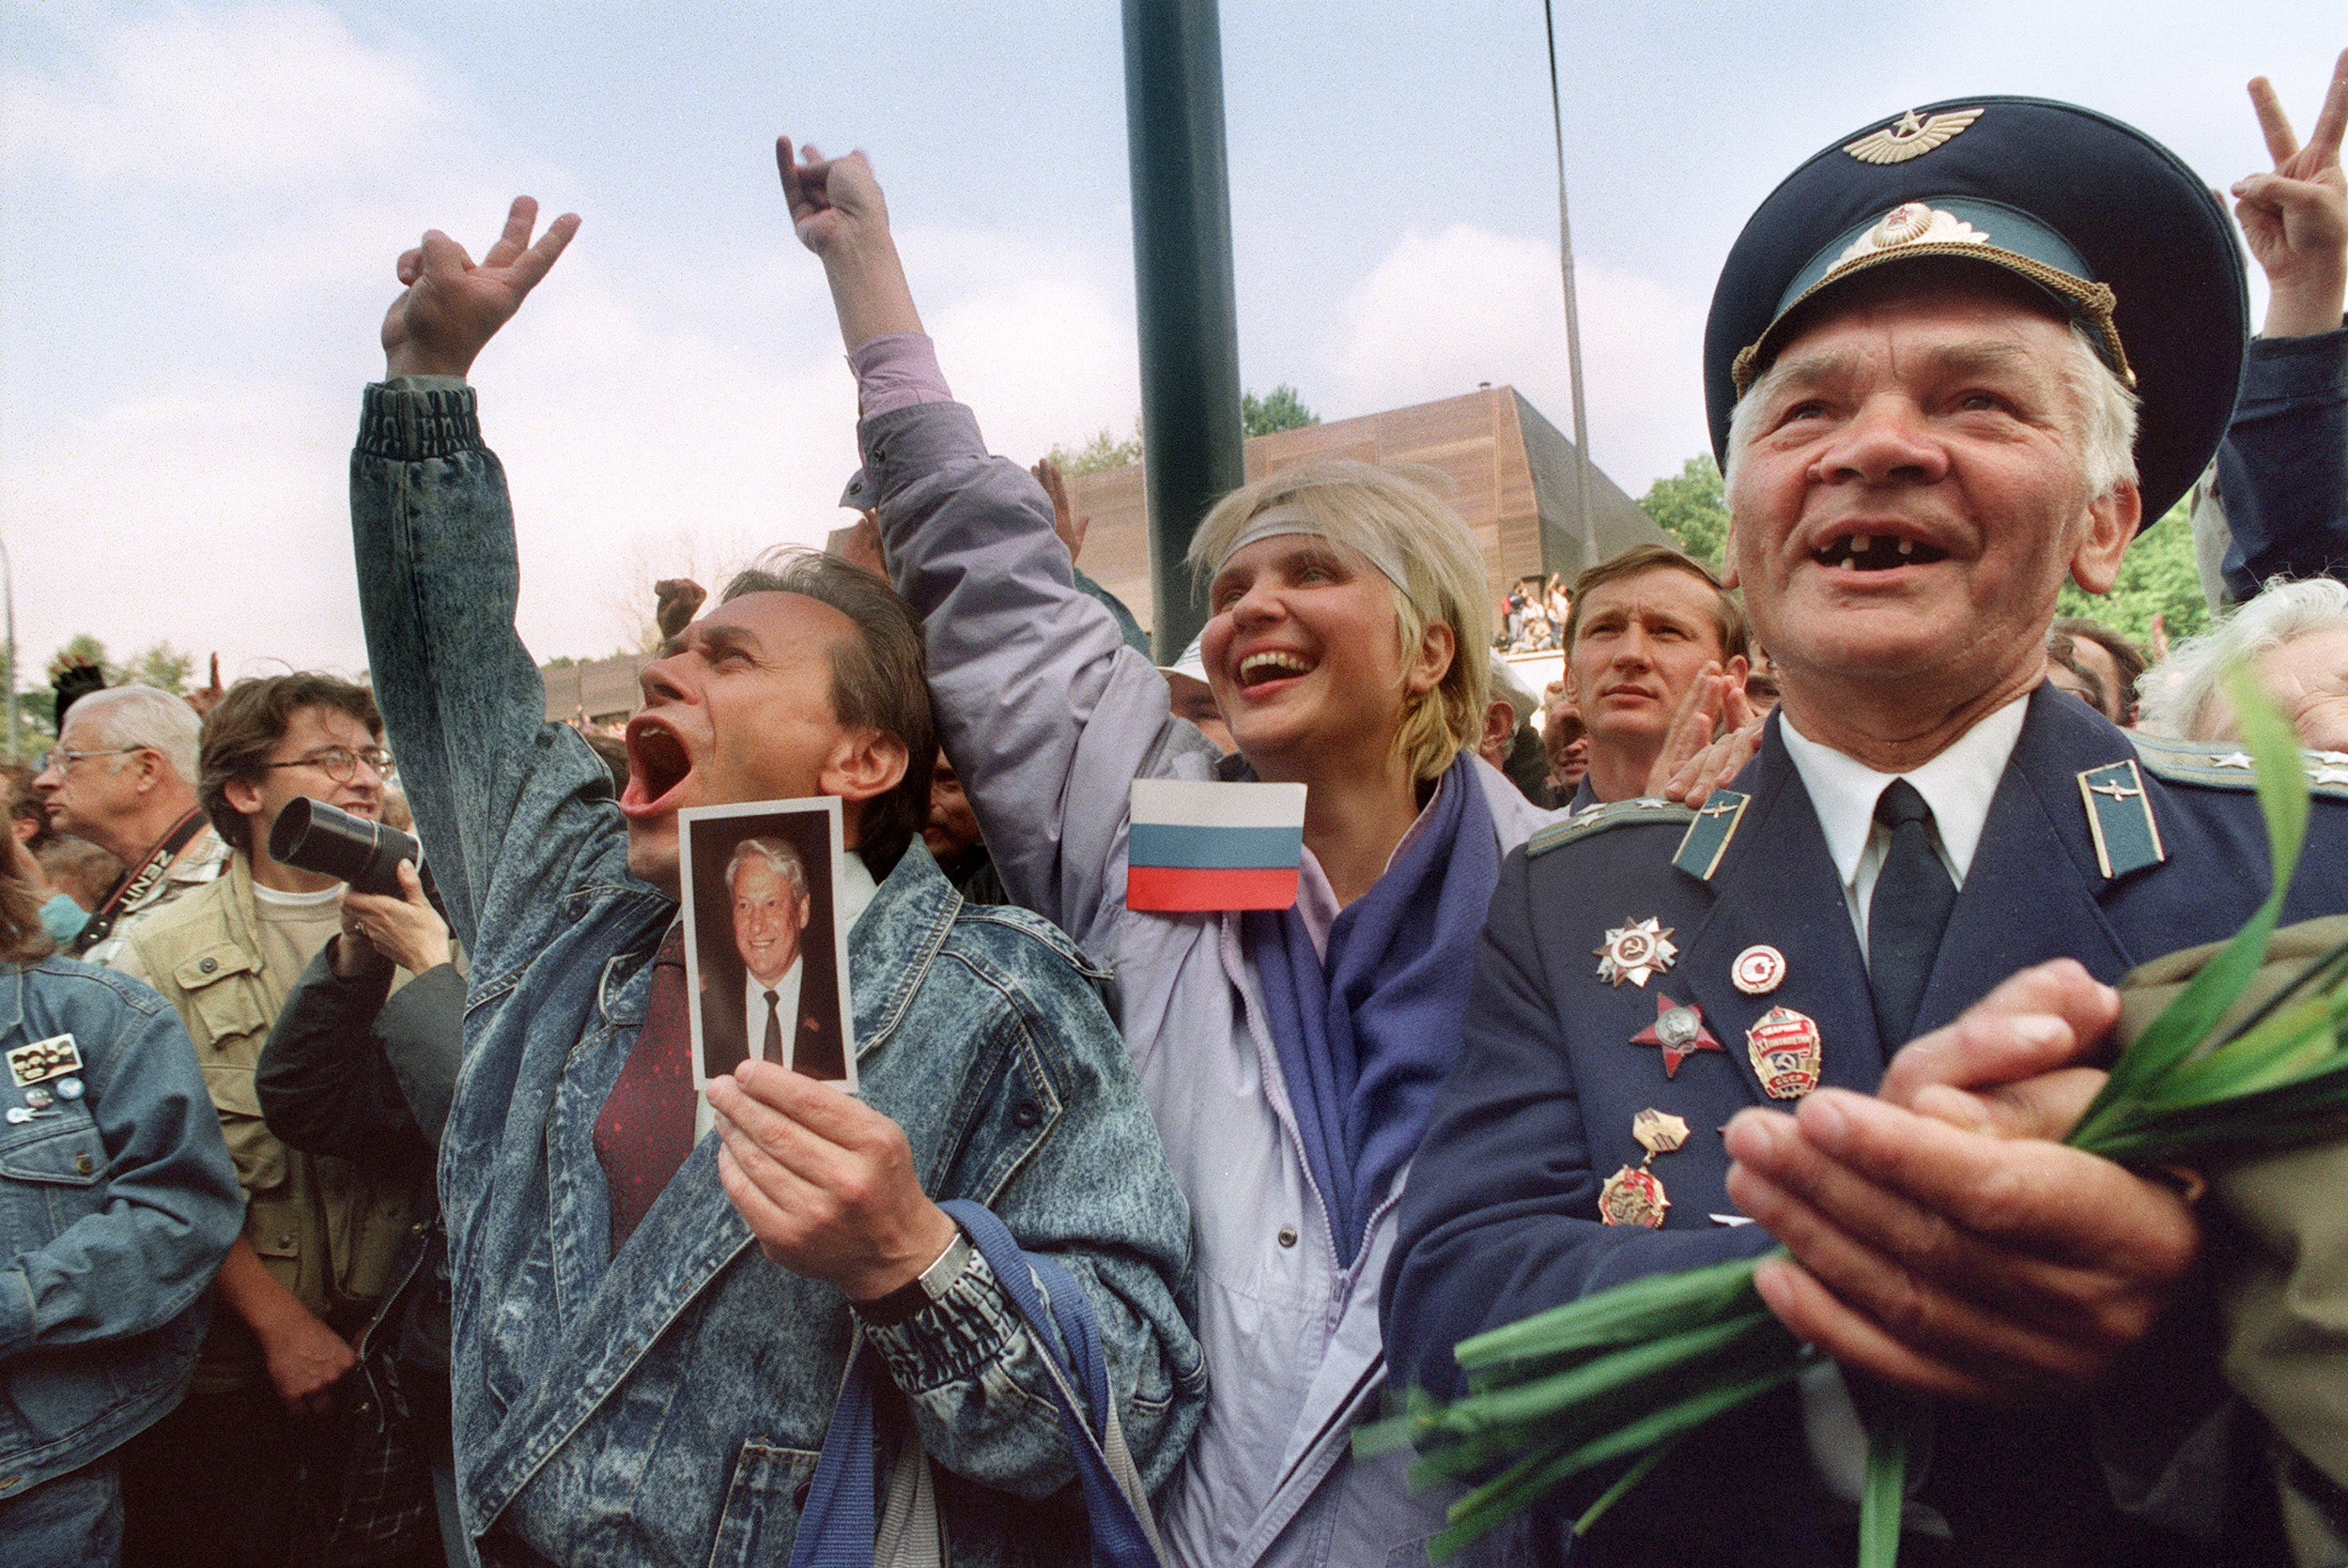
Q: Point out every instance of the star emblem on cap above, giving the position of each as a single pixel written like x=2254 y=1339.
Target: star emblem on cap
x=1910 y=137
x=1636 y=951
x=1679 y=1031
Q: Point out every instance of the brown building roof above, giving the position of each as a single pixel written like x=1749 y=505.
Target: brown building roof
x=1511 y=473
x=604 y=690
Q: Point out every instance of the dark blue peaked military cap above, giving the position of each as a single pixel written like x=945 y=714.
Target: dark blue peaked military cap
x=2117 y=232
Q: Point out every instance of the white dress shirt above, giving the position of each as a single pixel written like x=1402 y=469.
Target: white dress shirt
x=857 y=890
x=1958 y=785
x=786 y=1008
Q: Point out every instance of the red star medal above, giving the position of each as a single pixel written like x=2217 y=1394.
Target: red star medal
x=1678 y=1030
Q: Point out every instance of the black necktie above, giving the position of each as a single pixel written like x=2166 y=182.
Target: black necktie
x=1909 y=911
x=772 y=1049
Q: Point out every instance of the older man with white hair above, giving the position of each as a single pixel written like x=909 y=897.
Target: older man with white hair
x=122 y=775
x=1953 y=361
x=2295 y=636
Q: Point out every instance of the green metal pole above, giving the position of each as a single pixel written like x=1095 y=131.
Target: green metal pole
x=1190 y=397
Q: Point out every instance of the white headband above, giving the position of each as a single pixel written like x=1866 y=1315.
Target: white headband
x=1278 y=522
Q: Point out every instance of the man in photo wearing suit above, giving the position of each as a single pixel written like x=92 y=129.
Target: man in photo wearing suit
x=788 y=1006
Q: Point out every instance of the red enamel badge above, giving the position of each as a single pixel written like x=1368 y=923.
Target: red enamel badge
x=1679 y=1031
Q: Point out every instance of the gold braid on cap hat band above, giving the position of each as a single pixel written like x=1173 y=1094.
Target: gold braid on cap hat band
x=1279 y=522
x=2095 y=302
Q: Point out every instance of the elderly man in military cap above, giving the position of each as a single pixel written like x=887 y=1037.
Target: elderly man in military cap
x=1958 y=357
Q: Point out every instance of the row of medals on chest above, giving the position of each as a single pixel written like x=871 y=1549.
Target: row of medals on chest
x=1783 y=1045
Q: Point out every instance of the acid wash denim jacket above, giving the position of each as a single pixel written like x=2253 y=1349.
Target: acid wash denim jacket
x=117 y=1205
x=667 y=1405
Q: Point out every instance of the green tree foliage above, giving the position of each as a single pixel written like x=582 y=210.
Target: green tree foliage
x=1279 y=410
x=1689 y=507
x=163 y=666
x=1103 y=451
x=2158 y=578
x=84 y=649
x=34 y=729
x=160 y=666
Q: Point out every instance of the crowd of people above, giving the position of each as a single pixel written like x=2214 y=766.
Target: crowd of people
x=358 y=1200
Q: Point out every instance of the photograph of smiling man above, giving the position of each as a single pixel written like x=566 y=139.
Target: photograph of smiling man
x=766 y=960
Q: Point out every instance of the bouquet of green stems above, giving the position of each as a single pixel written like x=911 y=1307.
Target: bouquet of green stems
x=1629 y=1372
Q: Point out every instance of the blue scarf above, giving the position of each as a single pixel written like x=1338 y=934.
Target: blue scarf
x=1365 y=1040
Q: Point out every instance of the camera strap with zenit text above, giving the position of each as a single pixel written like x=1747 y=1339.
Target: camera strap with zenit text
x=132 y=888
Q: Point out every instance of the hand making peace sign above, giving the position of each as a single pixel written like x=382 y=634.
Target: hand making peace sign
x=2296 y=217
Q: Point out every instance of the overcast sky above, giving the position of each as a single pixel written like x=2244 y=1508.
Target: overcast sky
x=202 y=204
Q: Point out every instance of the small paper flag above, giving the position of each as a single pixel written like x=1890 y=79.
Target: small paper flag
x=1209 y=846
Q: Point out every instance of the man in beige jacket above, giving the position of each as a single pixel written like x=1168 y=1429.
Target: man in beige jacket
x=215 y=1482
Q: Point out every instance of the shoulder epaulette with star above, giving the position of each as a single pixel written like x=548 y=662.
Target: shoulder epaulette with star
x=1598 y=818
x=2229 y=767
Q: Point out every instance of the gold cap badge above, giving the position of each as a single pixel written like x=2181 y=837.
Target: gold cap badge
x=1910 y=137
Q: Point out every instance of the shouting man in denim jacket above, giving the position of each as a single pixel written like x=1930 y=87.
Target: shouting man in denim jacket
x=633 y=1380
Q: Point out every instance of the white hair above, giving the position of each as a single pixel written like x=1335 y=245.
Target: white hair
x=2104 y=406
x=2183 y=696
x=1506 y=685
x=777 y=854
x=142 y=719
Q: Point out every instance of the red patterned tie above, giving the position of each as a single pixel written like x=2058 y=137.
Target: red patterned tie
x=645 y=1128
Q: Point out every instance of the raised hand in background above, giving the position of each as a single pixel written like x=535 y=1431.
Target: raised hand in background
x=838 y=211
x=1065 y=522
x=2295 y=218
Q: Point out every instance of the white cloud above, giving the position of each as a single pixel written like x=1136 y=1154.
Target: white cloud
x=212 y=517
x=1039 y=340
x=636 y=446
x=658 y=411
x=266 y=94
x=1442 y=311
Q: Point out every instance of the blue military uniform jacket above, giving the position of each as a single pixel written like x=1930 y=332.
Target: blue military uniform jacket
x=1500 y=1220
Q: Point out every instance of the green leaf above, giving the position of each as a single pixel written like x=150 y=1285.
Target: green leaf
x=1524 y=1483
x=2187 y=1021
x=1884 y=1498
x=1516 y=1405
x=1623 y=1483
x=1629 y=1314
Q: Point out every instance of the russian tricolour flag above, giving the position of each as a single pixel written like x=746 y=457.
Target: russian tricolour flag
x=1207 y=846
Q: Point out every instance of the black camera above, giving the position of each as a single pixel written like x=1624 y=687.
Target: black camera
x=324 y=838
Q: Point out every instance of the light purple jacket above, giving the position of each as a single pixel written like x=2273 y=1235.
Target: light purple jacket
x=1049 y=718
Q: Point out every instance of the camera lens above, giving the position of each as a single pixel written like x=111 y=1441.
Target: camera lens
x=315 y=836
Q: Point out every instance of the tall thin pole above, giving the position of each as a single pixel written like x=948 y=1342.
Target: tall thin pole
x=1573 y=310
x=1191 y=439
x=8 y=590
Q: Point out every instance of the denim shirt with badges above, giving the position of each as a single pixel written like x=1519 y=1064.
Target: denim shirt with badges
x=117 y=1201
x=668 y=1402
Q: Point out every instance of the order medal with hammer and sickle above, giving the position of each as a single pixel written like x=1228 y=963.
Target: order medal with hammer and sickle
x=1635 y=1197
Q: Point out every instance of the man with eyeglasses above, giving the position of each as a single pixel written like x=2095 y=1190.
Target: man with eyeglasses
x=258 y=1454
x=122 y=775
